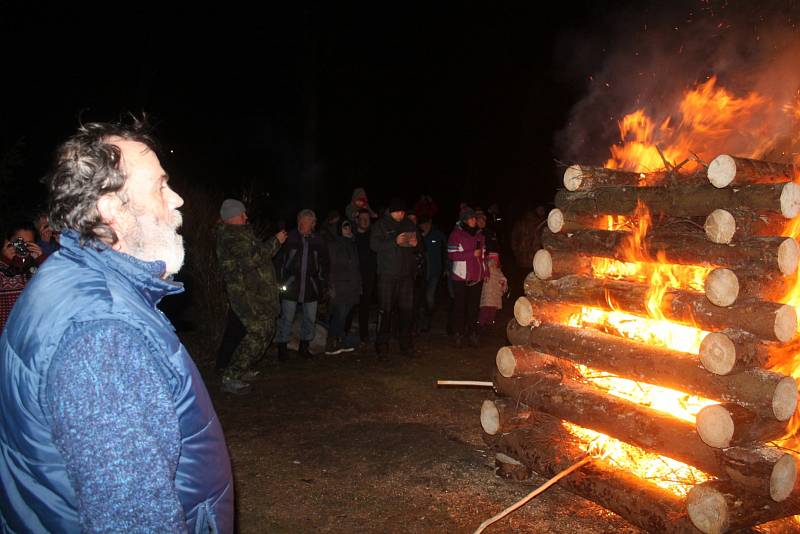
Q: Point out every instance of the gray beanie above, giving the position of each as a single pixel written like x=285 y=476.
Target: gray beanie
x=231 y=208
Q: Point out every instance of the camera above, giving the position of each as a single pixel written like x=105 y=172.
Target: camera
x=20 y=247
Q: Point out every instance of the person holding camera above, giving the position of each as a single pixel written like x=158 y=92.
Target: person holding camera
x=19 y=260
x=394 y=237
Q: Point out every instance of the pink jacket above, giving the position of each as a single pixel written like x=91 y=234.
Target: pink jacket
x=461 y=247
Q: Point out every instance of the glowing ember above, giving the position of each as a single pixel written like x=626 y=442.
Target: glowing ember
x=660 y=333
x=660 y=470
x=676 y=403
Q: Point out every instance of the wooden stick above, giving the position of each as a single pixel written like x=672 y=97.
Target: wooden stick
x=534 y=493
x=477 y=383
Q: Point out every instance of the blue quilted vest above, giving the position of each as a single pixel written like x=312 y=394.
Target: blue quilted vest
x=79 y=284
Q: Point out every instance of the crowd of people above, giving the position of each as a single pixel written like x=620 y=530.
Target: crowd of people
x=394 y=262
x=110 y=427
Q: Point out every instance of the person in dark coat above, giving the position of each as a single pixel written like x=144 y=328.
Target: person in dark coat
x=344 y=287
x=303 y=271
x=394 y=238
x=435 y=243
x=368 y=266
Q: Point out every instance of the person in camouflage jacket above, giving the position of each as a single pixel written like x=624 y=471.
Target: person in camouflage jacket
x=245 y=262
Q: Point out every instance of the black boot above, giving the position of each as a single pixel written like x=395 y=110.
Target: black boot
x=282 y=355
x=303 y=350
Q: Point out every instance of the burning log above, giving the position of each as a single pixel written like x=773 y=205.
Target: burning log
x=723 y=286
x=729 y=225
x=546 y=447
x=527 y=311
x=692 y=201
x=767 y=253
x=732 y=351
x=721 y=506
x=558 y=221
x=724 y=425
x=766 y=320
x=581 y=177
x=548 y=264
x=725 y=170
x=770 y=395
x=500 y=415
x=649 y=429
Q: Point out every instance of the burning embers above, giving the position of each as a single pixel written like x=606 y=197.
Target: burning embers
x=659 y=326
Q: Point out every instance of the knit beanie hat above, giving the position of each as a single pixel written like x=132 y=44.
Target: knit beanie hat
x=396 y=204
x=466 y=213
x=231 y=208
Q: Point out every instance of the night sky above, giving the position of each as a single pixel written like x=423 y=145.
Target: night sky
x=303 y=102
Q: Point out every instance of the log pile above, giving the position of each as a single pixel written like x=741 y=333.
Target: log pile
x=731 y=220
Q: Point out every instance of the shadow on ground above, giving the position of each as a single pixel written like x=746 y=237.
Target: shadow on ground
x=352 y=443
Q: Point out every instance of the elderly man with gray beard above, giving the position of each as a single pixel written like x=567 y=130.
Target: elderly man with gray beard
x=109 y=427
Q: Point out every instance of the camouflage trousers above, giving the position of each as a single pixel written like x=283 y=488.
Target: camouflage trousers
x=260 y=331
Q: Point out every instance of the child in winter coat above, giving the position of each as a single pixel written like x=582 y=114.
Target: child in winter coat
x=494 y=287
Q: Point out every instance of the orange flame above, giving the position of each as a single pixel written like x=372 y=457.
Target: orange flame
x=708 y=120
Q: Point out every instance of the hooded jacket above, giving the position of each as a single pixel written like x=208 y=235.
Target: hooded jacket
x=92 y=284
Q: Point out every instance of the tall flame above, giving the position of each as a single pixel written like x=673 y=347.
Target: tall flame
x=708 y=121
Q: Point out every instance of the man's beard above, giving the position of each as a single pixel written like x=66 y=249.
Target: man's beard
x=151 y=240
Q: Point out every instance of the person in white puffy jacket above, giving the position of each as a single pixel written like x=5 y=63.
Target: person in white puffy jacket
x=495 y=285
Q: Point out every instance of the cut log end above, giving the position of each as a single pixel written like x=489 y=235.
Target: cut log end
x=715 y=426
x=506 y=362
x=722 y=287
x=543 y=264
x=783 y=478
x=784 y=399
x=555 y=220
x=788 y=256
x=490 y=418
x=790 y=200
x=508 y=467
x=523 y=311
x=573 y=177
x=707 y=509
x=718 y=353
x=785 y=323
x=722 y=170
x=720 y=226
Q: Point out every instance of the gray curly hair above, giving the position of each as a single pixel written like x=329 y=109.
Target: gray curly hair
x=87 y=167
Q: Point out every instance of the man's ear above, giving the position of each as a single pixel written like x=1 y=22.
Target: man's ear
x=109 y=206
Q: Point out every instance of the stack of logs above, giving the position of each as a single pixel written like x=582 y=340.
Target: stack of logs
x=736 y=220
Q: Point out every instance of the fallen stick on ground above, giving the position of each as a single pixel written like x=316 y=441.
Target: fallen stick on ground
x=533 y=494
x=464 y=383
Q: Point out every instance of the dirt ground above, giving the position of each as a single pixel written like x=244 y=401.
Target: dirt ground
x=351 y=443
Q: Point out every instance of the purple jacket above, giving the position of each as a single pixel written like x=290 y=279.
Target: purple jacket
x=461 y=247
